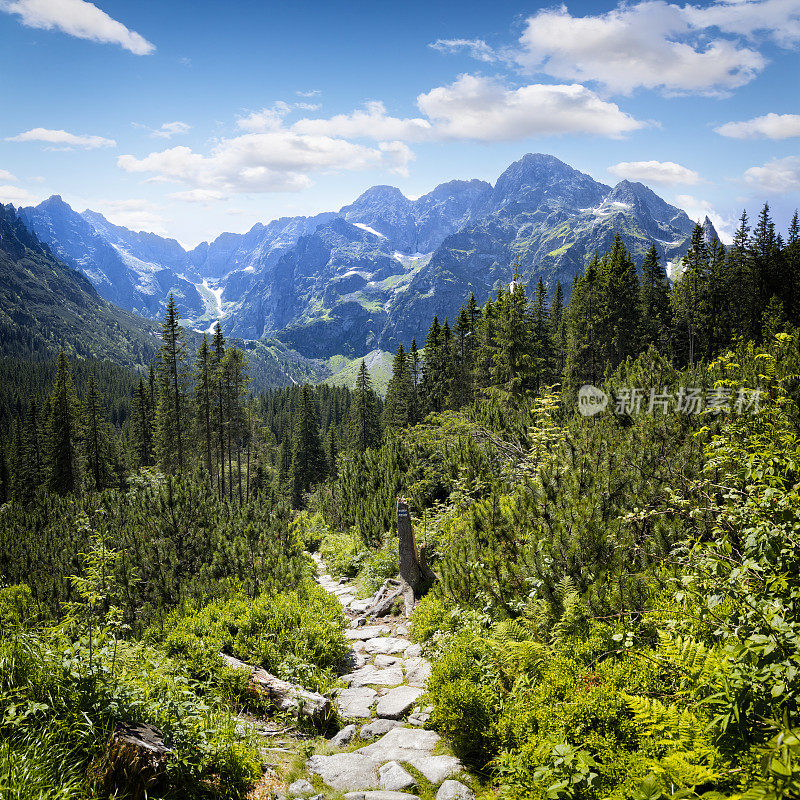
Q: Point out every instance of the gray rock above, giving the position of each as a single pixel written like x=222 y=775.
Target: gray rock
x=356 y=703
x=396 y=703
x=386 y=644
x=380 y=796
x=418 y=718
x=344 y=736
x=437 y=768
x=346 y=772
x=401 y=744
x=454 y=790
x=377 y=728
x=367 y=632
x=370 y=676
x=386 y=661
x=353 y=660
x=360 y=605
x=418 y=670
x=394 y=778
x=301 y=787
x=413 y=651
x=345 y=599
x=400 y=630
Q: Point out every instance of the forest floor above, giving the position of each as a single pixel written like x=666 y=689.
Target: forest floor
x=383 y=751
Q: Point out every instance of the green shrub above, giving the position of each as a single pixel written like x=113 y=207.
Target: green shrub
x=16 y=606
x=294 y=635
x=344 y=553
x=377 y=566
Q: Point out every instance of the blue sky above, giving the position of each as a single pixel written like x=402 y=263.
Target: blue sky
x=193 y=118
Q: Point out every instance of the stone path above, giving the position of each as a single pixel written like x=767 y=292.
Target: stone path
x=383 y=751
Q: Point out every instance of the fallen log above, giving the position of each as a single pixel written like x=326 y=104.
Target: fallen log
x=284 y=696
x=133 y=764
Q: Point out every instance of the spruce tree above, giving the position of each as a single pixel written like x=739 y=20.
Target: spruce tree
x=308 y=458
x=415 y=368
x=219 y=403
x=654 y=311
x=689 y=298
x=364 y=424
x=63 y=463
x=99 y=447
x=203 y=405
x=397 y=410
x=584 y=361
x=542 y=359
x=461 y=388
x=558 y=331
x=173 y=378
x=433 y=378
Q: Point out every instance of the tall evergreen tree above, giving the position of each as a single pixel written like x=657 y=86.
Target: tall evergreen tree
x=173 y=379
x=204 y=405
x=99 y=447
x=397 y=409
x=415 y=368
x=584 y=361
x=654 y=310
x=141 y=417
x=690 y=297
x=63 y=433
x=365 y=432
x=308 y=458
x=219 y=403
x=558 y=331
x=433 y=377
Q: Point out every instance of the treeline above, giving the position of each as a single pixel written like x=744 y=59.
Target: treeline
x=748 y=291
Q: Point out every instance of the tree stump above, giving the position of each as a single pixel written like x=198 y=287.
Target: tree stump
x=414 y=570
x=283 y=695
x=133 y=764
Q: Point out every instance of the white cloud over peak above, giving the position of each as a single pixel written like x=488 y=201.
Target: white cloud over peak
x=770 y=126
x=134 y=214
x=77 y=18
x=484 y=109
x=667 y=173
x=651 y=44
x=16 y=195
x=476 y=48
x=62 y=138
x=371 y=122
x=779 y=176
x=698 y=210
x=274 y=161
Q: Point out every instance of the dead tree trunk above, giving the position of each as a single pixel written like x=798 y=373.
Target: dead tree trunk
x=414 y=570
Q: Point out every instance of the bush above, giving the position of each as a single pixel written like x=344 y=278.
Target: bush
x=294 y=635
x=377 y=566
x=344 y=553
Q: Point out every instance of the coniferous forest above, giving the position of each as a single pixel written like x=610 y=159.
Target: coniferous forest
x=616 y=610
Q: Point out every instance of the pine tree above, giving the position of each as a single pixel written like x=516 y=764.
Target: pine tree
x=483 y=354
x=654 y=310
x=142 y=416
x=558 y=331
x=219 y=403
x=542 y=360
x=415 y=368
x=63 y=433
x=100 y=456
x=308 y=458
x=690 y=297
x=461 y=388
x=173 y=377
x=332 y=453
x=619 y=294
x=584 y=363
x=397 y=410
x=364 y=421
x=741 y=291
x=433 y=378
x=512 y=364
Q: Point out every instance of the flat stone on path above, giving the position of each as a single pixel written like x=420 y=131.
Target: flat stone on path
x=386 y=661
x=454 y=790
x=377 y=728
x=346 y=772
x=396 y=703
x=344 y=736
x=418 y=670
x=386 y=644
x=402 y=744
x=394 y=778
x=380 y=796
x=356 y=703
x=437 y=768
x=370 y=676
x=367 y=632
x=413 y=651
x=301 y=787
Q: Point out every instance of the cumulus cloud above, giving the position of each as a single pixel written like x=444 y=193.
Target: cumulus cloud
x=371 y=122
x=271 y=119
x=309 y=93
x=62 y=138
x=274 y=161
x=77 y=18
x=778 y=19
x=779 y=176
x=170 y=129
x=5 y=175
x=770 y=126
x=667 y=173
x=15 y=195
x=652 y=44
x=476 y=48
x=483 y=109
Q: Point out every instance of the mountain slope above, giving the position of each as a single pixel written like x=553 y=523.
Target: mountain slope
x=46 y=306
x=134 y=271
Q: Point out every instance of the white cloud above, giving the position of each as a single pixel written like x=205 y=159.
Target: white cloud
x=371 y=122
x=770 y=126
x=16 y=195
x=204 y=196
x=779 y=176
x=476 y=48
x=652 y=44
x=63 y=138
x=483 y=109
x=275 y=161
x=170 y=129
x=698 y=210
x=5 y=175
x=135 y=214
x=779 y=19
x=77 y=18
x=310 y=93
x=664 y=172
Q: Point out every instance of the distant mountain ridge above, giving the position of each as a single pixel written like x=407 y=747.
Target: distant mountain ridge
x=374 y=273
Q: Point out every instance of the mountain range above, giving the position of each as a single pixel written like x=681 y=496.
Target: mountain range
x=374 y=273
